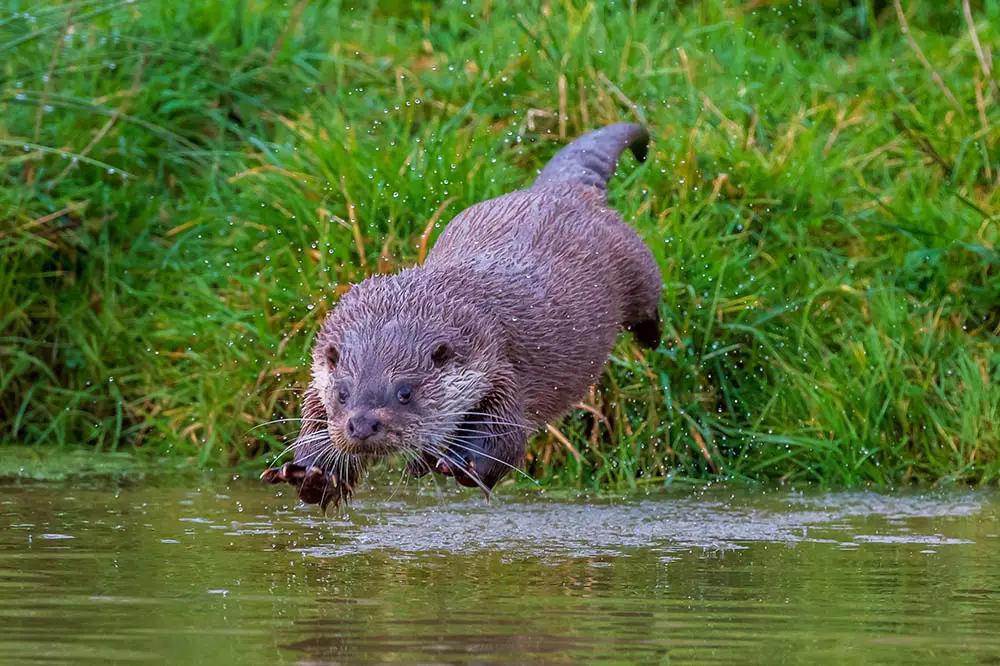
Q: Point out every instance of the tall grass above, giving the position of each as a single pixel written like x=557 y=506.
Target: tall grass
x=188 y=187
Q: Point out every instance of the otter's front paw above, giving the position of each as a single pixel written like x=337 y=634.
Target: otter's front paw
x=313 y=485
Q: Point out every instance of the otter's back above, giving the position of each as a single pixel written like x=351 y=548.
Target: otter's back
x=552 y=265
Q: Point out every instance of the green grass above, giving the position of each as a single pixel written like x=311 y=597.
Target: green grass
x=187 y=187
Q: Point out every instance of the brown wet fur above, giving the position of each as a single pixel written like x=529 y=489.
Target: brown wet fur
x=502 y=329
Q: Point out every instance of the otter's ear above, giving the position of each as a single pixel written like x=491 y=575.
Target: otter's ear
x=332 y=356
x=442 y=353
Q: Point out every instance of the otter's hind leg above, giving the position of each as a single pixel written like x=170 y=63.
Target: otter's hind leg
x=640 y=272
x=647 y=332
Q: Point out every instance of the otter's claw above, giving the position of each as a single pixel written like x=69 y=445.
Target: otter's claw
x=468 y=476
x=287 y=473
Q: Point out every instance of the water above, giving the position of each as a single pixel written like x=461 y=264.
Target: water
x=237 y=573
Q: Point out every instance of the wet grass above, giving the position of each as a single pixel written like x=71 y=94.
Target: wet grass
x=187 y=187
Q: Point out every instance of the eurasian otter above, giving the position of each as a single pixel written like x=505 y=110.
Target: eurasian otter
x=502 y=329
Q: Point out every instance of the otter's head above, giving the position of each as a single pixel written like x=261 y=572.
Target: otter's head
x=393 y=374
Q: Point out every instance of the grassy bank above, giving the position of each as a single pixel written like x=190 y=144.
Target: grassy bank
x=187 y=187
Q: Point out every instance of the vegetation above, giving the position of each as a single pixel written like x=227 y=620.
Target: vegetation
x=188 y=186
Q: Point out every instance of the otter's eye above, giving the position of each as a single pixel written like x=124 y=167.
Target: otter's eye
x=441 y=353
x=342 y=395
x=404 y=394
x=332 y=356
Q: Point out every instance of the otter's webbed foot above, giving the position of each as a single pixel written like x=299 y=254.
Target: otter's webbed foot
x=313 y=485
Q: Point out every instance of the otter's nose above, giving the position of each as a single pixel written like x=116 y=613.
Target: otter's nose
x=362 y=426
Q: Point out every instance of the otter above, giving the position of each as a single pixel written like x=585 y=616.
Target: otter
x=508 y=322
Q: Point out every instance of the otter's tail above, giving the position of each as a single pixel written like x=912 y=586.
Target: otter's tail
x=593 y=158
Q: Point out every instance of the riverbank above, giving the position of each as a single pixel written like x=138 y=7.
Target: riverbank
x=187 y=189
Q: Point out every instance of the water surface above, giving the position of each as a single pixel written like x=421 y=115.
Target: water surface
x=235 y=572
